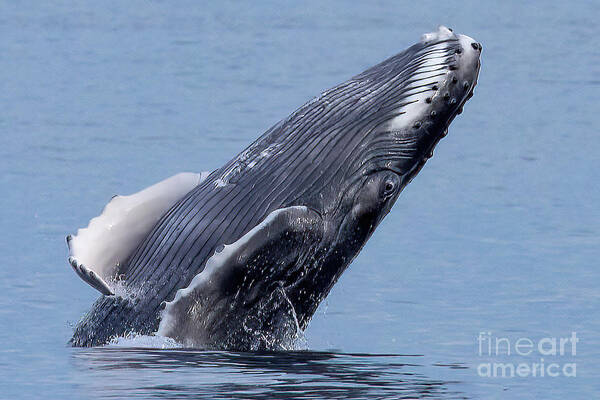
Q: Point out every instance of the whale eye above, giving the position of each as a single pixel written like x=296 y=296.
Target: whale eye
x=389 y=186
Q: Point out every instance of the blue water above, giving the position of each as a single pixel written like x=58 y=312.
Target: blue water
x=499 y=233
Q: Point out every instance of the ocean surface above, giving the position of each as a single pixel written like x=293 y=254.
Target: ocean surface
x=496 y=242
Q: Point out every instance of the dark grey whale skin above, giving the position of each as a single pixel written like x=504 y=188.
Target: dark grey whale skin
x=335 y=155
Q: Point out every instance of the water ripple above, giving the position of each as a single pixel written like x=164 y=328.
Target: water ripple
x=274 y=375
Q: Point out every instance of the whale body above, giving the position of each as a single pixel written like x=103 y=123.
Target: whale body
x=240 y=258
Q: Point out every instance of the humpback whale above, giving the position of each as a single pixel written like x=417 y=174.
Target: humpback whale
x=239 y=258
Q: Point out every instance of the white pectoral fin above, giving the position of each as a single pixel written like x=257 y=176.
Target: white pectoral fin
x=96 y=252
x=277 y=242
x=90 y=277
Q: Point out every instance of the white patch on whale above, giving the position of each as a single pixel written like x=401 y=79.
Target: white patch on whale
x=470 y=56
x=443 y=33
x=432 y=71
x=109 y=239
x=248 y=159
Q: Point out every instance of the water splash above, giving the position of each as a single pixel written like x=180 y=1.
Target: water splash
x=145 y=341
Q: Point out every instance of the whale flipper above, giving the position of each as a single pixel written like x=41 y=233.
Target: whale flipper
x=260 y=261
x=90 y=277
x=97 y=251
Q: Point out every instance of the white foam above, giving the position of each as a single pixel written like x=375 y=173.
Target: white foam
x=145 y=341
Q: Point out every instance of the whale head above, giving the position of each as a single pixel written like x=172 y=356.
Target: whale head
x=387 y=121
x=414 y=96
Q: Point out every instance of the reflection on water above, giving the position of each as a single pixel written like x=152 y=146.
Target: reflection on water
x=135 y=372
